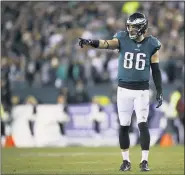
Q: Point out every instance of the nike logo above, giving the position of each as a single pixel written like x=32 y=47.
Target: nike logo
x=137 y=49
x=127 y=168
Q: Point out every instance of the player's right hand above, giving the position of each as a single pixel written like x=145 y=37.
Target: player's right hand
x=84 y=42
x=159 y=98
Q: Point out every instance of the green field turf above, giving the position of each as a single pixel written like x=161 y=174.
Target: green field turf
x=83 y=160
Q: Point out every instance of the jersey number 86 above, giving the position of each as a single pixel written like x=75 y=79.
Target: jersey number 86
x=128 y=61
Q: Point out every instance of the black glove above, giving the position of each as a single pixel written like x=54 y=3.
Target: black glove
x=84 y=42
x=159 y=98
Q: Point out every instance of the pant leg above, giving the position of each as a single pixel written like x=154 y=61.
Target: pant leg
x=125 y=104
x=141 y=105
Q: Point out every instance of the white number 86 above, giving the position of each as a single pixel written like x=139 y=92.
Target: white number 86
x=128 y=61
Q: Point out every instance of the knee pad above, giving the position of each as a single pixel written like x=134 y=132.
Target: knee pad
x=143 y=126
x=124 y=129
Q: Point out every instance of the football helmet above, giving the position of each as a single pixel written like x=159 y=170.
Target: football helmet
x=136 y=25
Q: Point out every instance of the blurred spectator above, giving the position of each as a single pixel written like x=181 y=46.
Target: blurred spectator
x=112 y=69
x=97 y=116
x=97 y=66
x=61 y=99
x=80 y=94
x=5 y=85
x=3 y=134
x=15 y=100
x=32 y=101
x=171 y=112
x=180 y=109
x=77 y=71
x=6 y=120
x=180 y=106
x=30 y=72
x=62 y=74
x=45 y=73
x=64 y=118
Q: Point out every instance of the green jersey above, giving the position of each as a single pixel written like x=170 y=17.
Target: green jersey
x=135 y=57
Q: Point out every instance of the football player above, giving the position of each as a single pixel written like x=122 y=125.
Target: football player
x=138 y=53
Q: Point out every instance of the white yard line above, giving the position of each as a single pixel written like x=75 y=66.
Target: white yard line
x=72 y=154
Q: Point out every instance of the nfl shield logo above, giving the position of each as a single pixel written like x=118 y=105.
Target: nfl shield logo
x=138 y=45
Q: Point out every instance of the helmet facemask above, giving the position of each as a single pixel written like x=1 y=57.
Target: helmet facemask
x=136 y=26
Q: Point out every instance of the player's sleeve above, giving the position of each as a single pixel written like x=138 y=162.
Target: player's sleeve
x=120 y=36
x=156 y=45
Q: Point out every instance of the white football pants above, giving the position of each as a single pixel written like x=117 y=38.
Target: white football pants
x=129 y=100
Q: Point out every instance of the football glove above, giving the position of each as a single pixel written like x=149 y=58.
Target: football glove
x=85 y=42
x=159 y=98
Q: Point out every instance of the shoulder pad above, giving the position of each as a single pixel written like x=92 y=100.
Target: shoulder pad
x=120 y=34
x=155 y=43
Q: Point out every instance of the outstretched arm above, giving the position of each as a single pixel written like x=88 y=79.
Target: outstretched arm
x=100 y=44
x=156 y=73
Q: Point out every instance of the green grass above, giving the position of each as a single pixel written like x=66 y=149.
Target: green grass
x=83 y=160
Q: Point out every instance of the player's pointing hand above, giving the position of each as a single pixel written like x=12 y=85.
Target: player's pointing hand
x=84 y=42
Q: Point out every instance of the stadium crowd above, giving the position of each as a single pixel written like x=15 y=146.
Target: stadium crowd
x=40 y=39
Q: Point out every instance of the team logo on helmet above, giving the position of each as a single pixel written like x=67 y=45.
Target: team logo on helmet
x=136 y=25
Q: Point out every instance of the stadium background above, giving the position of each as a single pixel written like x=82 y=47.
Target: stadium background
x=41 y=62
x=53 y=93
